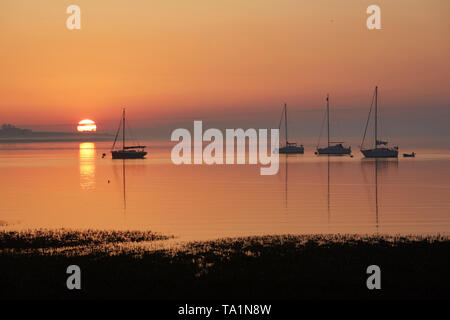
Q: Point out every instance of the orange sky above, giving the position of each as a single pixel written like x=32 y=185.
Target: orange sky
x=163 y=59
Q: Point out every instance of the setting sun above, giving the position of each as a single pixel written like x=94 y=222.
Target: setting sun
x=86 y=125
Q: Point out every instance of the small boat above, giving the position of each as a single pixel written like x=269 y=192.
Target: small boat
x=409 y=155
x=338 y=149
x=127 y=152
x=377 y=151
x=289 y=147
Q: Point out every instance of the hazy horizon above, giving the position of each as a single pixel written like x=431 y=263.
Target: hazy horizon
x=398 y=122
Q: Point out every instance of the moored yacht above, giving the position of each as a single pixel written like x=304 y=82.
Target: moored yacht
x=289 y=147
x=380 y=148
x=334 y=148
x=127 y=152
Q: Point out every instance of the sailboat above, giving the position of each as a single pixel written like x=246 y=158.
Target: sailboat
x=127 y=152
x=336 y=150
x=289 y=147
x=377 y=151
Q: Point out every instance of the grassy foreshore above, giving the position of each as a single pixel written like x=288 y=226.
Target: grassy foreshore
x=113 y=265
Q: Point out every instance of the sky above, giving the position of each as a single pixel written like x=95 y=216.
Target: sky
x=229 y=63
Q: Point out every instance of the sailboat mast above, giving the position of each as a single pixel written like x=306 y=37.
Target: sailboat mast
x=376 y=115
x=285 y=123
x=123 y=129
x=328 y=120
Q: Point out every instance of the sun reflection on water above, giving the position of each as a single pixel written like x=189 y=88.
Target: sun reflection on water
x=87 y=165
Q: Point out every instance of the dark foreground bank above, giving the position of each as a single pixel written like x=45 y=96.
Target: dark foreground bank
x=114 y=265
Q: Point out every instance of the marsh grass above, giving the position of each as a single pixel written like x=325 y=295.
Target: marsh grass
x=62 y=238
x=280 y=266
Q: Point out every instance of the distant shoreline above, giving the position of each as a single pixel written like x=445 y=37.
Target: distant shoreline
x=11 y=134
x=63 y=137
x=75 y=139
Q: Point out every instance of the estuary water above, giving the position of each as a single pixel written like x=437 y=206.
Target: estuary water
x=70 y=185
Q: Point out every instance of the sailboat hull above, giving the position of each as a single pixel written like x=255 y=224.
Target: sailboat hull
x=128 y=154
x=380 y=153
x=334 y=151
x=291 y=150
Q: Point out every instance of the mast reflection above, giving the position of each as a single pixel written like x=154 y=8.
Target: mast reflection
x=286 y=182
x=328 y=190
x=124 y=185
x=379 y=166
x=121 y=176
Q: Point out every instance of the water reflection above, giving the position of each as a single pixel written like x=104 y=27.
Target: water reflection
x=128 y=172
x=87 y=165
x=378 y=166
x=286 y=182
x=329 y=185
x=286 y=176
x=124 y=185
x=120 y=175
x=328 y=190
x=309 y=195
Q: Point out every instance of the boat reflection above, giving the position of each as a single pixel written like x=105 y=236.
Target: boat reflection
x=330 y=163
x=120 y=172
x=87 y=156
x=328 y=190
x=380 y=167
x=286 y=182
x=124 y=185
x=286 y=174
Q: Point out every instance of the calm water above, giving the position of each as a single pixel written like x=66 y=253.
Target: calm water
x=70 y=185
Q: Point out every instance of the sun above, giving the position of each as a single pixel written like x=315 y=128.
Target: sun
x=86 y=125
